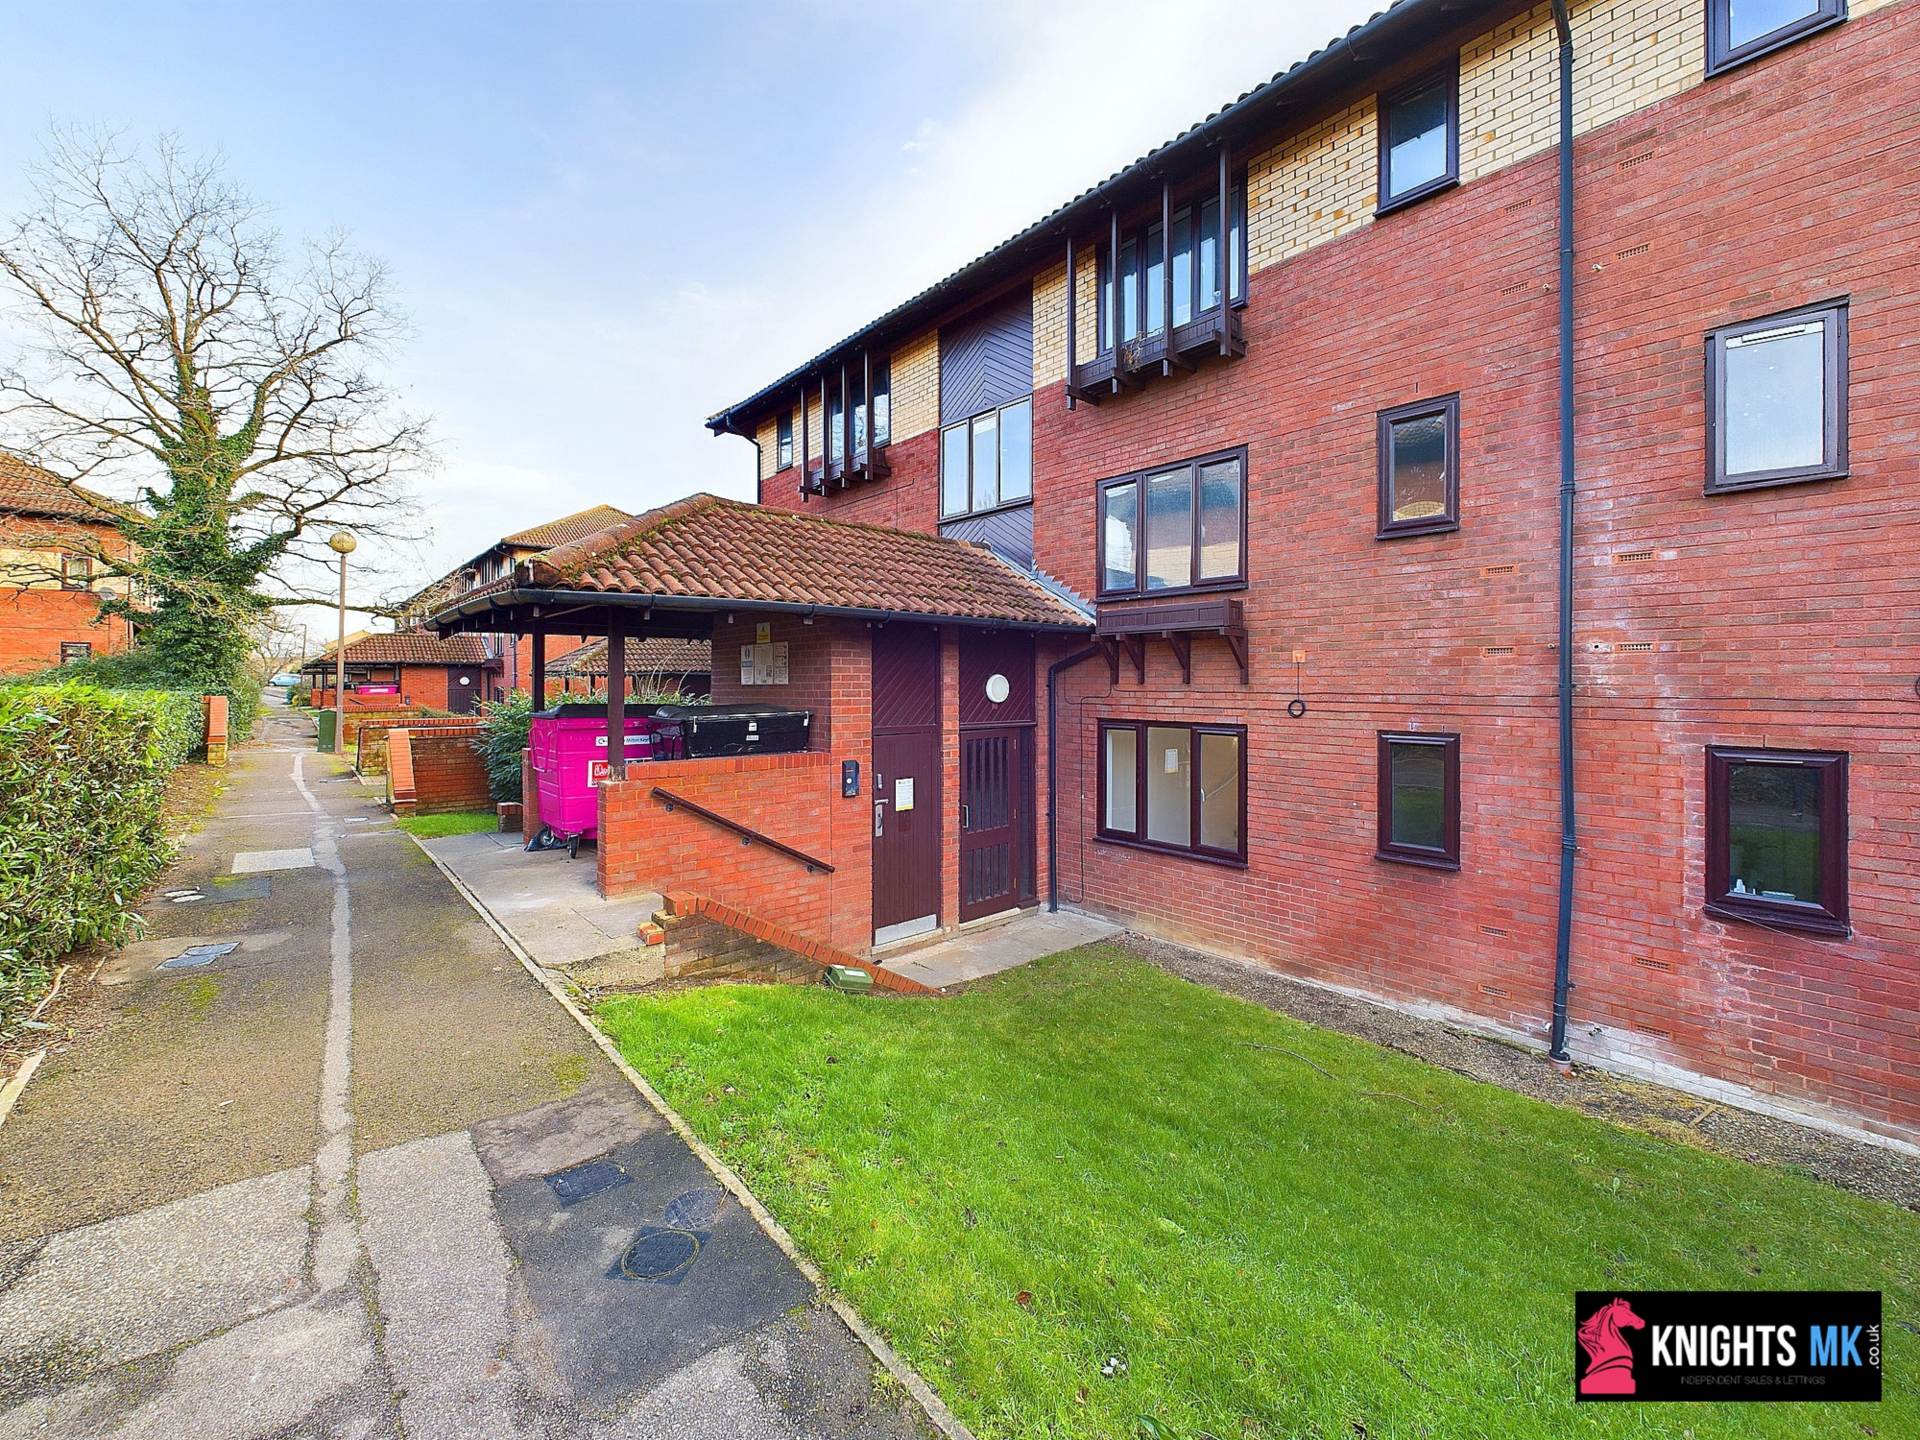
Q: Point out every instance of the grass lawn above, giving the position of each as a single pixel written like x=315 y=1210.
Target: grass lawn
x=1087 y=1158
x=454 y=822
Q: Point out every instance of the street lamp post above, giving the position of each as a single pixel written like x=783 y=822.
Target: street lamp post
x=342 y=544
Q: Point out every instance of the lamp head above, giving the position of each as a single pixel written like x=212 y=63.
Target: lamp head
x=342 y=542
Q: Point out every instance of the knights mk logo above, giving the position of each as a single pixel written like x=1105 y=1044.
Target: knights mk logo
x=1727 y=1345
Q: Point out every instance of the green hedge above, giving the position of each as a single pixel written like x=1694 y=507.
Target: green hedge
x=83 y=780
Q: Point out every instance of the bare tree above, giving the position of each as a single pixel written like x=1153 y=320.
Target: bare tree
x=179 y=354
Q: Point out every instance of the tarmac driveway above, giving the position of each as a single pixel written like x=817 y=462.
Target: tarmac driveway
x=359 y=1175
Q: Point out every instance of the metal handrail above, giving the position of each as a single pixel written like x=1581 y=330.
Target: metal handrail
x=747 y=834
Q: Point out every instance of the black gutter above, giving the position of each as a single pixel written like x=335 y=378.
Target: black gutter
x=1053 y=766
x=1569 y=838
x=1360 y=47
x=712 y=604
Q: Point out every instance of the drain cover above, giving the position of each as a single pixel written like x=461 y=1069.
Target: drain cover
x=194 y=956
x=579 y=1181
x=660 y=1253
x=223 y=889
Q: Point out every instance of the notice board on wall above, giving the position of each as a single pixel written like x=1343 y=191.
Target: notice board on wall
x=764 y=663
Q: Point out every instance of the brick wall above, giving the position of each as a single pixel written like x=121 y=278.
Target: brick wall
x=794 y=799
x=370 y=736
x=434 y=771
x=367 y=709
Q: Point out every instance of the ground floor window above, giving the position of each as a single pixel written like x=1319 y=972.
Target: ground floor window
x=1174 y=787
x=1419 y=799
x=1777 y=837
x=72 y=652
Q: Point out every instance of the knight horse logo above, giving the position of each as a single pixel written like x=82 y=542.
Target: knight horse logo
x=1609 y=1356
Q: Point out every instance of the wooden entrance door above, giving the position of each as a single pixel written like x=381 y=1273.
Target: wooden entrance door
x=996 y=777
x=463 y=691
x=906 y=781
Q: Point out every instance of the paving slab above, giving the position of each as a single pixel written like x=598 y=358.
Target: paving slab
x=550 y=904
x=251 y=862
x=975 y=954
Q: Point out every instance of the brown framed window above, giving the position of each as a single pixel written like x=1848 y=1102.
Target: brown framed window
x=1419 y=144
x=1175 y=527
x=783 y=441
x=1777 y=399
x=1743 y=30
x=1419 y=799
x=72 y=652
x=986 y=462
x=1419 y=449
x=1196 y=269
x=1176 y=787
x=1777 y=838
x=76 y=572
x=882 y=415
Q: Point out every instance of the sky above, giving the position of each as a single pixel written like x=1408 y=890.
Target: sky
x=605 y=222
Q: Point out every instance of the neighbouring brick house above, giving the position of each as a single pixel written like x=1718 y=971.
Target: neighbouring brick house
x=514 y=654
x=658 y=664
x=423 y=670
x=56 y=540
x=1301 y=483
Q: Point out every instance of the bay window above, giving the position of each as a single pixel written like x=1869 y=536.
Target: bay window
x=1177 y=787
x=1196 y=269
x=1176 y=527
x=986 y=462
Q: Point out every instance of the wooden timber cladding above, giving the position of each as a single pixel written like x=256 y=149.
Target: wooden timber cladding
x=986 y=360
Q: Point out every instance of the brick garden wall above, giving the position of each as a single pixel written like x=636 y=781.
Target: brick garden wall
x=437 y=770
x=371 y=735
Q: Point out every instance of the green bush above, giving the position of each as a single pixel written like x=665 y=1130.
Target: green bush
x=143 y=669
x=83 y=780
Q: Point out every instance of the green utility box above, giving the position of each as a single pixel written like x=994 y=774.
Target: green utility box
x=327 y=719
x=845 y=977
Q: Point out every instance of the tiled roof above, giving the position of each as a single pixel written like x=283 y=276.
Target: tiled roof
x=656 y=656
x=28 y=490
x=408 y=647
x=708 y=548
x=568 y=528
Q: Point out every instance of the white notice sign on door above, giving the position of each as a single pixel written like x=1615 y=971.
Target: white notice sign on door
x=903 y=795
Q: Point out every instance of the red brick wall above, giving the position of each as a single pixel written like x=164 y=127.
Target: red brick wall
x=794 y=799
x=809 y=664
x=446 y=770
x=35 y=623
x=1779 y=617
x=908 y=499
x=371 y=734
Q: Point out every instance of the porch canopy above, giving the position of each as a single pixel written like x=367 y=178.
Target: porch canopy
x=669 y=572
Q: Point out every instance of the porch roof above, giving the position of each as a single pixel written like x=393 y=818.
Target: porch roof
x=704 y=554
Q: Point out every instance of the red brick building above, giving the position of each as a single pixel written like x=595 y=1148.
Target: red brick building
x=1302 y=483
x=407 y=669
x=56 y=544
x=513 y=655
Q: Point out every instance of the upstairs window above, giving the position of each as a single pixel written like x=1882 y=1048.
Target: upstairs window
x=882 y=414
x=1777 y=838
x=1196 y=269
x=784 y=441
x=1178 y=527
x=1174 y=787
x=1740 y=30
x=986 y=462
x=1419 y=140
x=76 y=572
x=1419 y=799
x=1420 y=468
x=1777 y=399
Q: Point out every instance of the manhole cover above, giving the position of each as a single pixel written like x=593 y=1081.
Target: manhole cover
x=660 y=1253
x=579 y=1181
x=194 y=956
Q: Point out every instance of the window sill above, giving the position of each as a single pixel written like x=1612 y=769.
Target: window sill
x=1767 y=44
x=1417 y=194
x=1769 y=481
x=1412 y=528
x=1423 y=862
x=1779 y=917
x=1205 y=587
x=1229 y=862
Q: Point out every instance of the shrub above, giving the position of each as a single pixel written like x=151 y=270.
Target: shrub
x=83 y=779
x=143 y=669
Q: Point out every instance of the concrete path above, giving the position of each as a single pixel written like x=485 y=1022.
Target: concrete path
x=998 y=945
x=357 y=1175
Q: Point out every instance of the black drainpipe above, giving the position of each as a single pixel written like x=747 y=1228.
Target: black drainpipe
x=1053 y=765
x=1563 y=929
